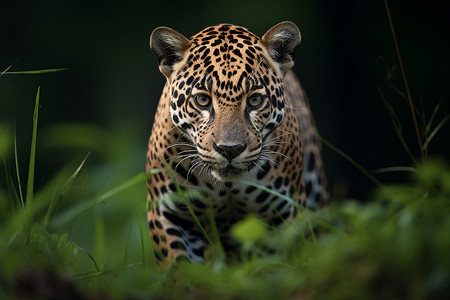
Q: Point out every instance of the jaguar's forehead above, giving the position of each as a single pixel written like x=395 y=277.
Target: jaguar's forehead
x=228 y=46
x=215 y=35
x=227 y=56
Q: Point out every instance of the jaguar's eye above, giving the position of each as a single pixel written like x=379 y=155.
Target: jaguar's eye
x=255 y=100
x=202 y=100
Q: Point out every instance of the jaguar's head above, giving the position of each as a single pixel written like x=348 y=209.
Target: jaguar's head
x=226 y=91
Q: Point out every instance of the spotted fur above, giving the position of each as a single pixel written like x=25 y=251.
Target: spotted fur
x=231 y=110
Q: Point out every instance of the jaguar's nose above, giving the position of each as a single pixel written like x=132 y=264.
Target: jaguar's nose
x=229 y=151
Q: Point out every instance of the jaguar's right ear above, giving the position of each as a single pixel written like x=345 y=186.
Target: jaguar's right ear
x=281 y=41
x=169 y=46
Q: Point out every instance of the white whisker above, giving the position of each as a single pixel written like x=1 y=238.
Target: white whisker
x=187 y=157
x=293 y=107
x=258 y=166
x=165 y=118
x=179 y=144
x=277 y=145
x=173 y=127
x=188 y=151
x=194 y=166
x=276 y=153
x=278 y=137
x=267 y=157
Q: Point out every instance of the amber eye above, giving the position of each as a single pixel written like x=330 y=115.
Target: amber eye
x=202 y=100
x=255 y=100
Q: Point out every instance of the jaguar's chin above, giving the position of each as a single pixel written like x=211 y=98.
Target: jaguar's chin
x=229 y=173
x=224 y=171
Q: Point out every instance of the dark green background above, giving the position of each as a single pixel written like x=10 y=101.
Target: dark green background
x=114 y=82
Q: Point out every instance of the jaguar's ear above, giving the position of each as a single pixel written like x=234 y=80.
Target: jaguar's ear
x=169 y=46
x=281 y=41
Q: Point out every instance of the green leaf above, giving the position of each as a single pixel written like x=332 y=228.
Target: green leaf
x=250 y=230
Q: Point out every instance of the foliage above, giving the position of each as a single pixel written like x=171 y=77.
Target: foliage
x=69 y=238
x=394 y=247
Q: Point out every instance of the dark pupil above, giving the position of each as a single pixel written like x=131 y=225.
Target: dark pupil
x=255 y=100
x=202 y=100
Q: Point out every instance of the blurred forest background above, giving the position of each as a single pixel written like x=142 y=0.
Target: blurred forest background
x=113 y=85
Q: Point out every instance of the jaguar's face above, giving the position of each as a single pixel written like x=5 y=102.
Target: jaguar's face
x=226 y=97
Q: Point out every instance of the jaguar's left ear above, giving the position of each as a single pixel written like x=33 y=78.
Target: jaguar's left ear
x=281 y=41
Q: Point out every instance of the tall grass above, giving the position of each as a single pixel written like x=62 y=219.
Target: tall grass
x=68 y=226
x=426 y=133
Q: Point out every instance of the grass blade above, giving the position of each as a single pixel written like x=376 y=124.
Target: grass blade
x=405 y=81
x=56 y=200
x=396 y=169
x=34 y=72
x=433 y=115
x=143 y=232
x=127 y=184
x=127 y=245
x=272 y=192
x=396 y=127
x=77 y=210
x=434 y=132
x=100 y=237
x=182 y=195
x=352 y=161
x=30 y=183
x=304 y=211
x=6 y=70
x=91 y=257
x=19 y=182
x=12 y=192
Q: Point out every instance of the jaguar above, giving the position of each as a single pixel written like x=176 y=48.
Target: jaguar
x=232 y=118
